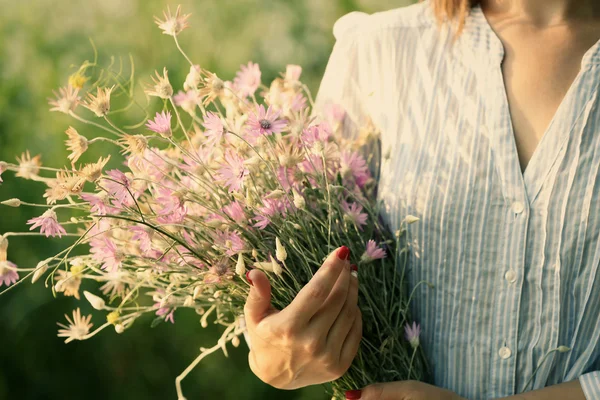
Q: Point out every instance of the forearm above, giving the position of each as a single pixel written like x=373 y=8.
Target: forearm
x=569 y=390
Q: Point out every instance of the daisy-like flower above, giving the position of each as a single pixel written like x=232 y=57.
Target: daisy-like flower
x=78 y=327
x=372 y=252
x=66 y=100
x=99 y=104
x=211 y=87
x=233 y=172
x=98 y=203
x=262 y=123
x=214 y=128
x=187 y=101
x=293 y=72
x=114 y=284
x=134 y=144
x=247 y=80
x=235 y=212
x=118 y=185
x=353 y=214
x=354 y=166
x=8 y=273
x=105 y=251
x=271 y=208
x=48 y=224
x=93 y=172
x=161 y=86
x=28 y=166
x=412 y=334
x=230 y=242
x=172 y=24
x=70 y=281
x=161 y=124
x=193 y=78
x=76 y=144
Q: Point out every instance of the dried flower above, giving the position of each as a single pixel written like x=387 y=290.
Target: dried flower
x=28 y=166
x=69 y=281
x=93 y=172
x=66 y=100
x=78 y=327
x=193 y=78
x=99 y=104
x=135 y=144
x=161 y=124
x=161 y=86
x=412 y=334
x=48 y=224
x=172 y=24
x=76 y=144
x=211 y=87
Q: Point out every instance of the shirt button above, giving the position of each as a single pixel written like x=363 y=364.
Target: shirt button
x=510 y=275
x=504 y=352
x=518 y=207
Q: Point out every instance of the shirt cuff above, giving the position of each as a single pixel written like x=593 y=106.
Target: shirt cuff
x=590 y=383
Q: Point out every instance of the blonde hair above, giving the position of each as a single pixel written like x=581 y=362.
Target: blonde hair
x=453 y=10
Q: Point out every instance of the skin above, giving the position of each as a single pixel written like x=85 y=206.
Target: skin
x=315 y=338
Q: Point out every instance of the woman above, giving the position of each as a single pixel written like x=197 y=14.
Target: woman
x=490 y=134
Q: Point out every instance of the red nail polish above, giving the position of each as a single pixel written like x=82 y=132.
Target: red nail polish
x=343 y=253
x=248 y=277
x=353 y=394
x=354 y=267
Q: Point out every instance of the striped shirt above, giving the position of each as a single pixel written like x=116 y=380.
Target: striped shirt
x=513 y=256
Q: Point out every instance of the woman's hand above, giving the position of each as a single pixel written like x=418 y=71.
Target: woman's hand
x=315 y=338
x=406 y=390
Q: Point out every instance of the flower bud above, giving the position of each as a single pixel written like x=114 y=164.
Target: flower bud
x=235 y=341
x=563 y=349
x=240 y=266
x=189 y=301
x=12 y=202
x=275 y=194
x=280 y=251
x=119 y=328
x=96 y=302
x=299 y=201
x=410 y=219
x=197 y=291
x=3 y=248
x=40 y=270
x=277 y=270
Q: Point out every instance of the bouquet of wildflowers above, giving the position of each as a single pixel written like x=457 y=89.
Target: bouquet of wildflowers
x=216 y=183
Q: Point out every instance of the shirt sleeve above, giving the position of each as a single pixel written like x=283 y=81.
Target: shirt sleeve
x=590 y=383
x=340 y=99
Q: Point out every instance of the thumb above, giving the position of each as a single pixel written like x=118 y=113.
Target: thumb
x=258 y=303
x=382 y=391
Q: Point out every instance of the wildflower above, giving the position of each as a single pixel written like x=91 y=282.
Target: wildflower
x=233 y=172
x=105 y=251
x=299 y=201
x=240 y=266
x=353 y=165
x=193 y=78
x=8 y=273
x=353 y=214
x=231 y=242
x=92 y=172
x=168 y=312
x=28 y=167
x=161 y=124
x=99 y=104
x=113 y=317
x=271 y=266
x=410 y=219
x=211 y=87
x=173 y=24
x=187 y=101
x=12 y=203
x=264 y=123
x=66 y=100
x=162 y=87
x=135 y=144
x=235 y=212
x=372 y=252
x=119 y=328
x=76 y=144
x=247 y=80
x=48 y=224
x=70 y=281
x=78 y=327
x=118 y=185
x=292 y=73
x=77 y=80
x=412 y=334
x=71 y=182
x=98 y=204
x=280 y=253
x=270 y=209
x=97 y=302
x=40 y=270
x=214 y=128
x=2 y=169
x=114 y=285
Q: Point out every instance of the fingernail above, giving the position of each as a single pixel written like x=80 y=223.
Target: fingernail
x=248 y=277
x=354 y=270
x=343 y=253
x=353 y=394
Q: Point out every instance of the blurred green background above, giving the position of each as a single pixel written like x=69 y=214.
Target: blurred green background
x=40 y=42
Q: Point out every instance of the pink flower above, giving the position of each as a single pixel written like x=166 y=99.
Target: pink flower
x=353 y=165
x=48 y=224
x=214 y=128
x=264 y=123
x=187 y=101
x=231 y=242
x=247 y=80
x=334 y=113
x=161 y=124
x=412 y=334
x=316 y=133
x=119 y=186
x=287 y=178
x=298 y=102
x=293 y=72
x=270 y=209
x=98 y=204
x=8 y=273
x=234 y=172
x=141 y=234
x=354 y=214
x=105 y=251
x=168 y=200
x=235 y=212
x=372 y=252
x=165 y=311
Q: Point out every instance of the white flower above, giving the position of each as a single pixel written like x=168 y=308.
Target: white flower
x=78 y=327
x=96 y=302
x=240 y=266
x=280 y=251
x=172 y=24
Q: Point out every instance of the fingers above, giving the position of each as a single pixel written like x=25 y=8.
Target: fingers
x=313 y=295
x=345 y=318
x=352 y=342
x=388 y=391
x=258 y=303
x=323 y=320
